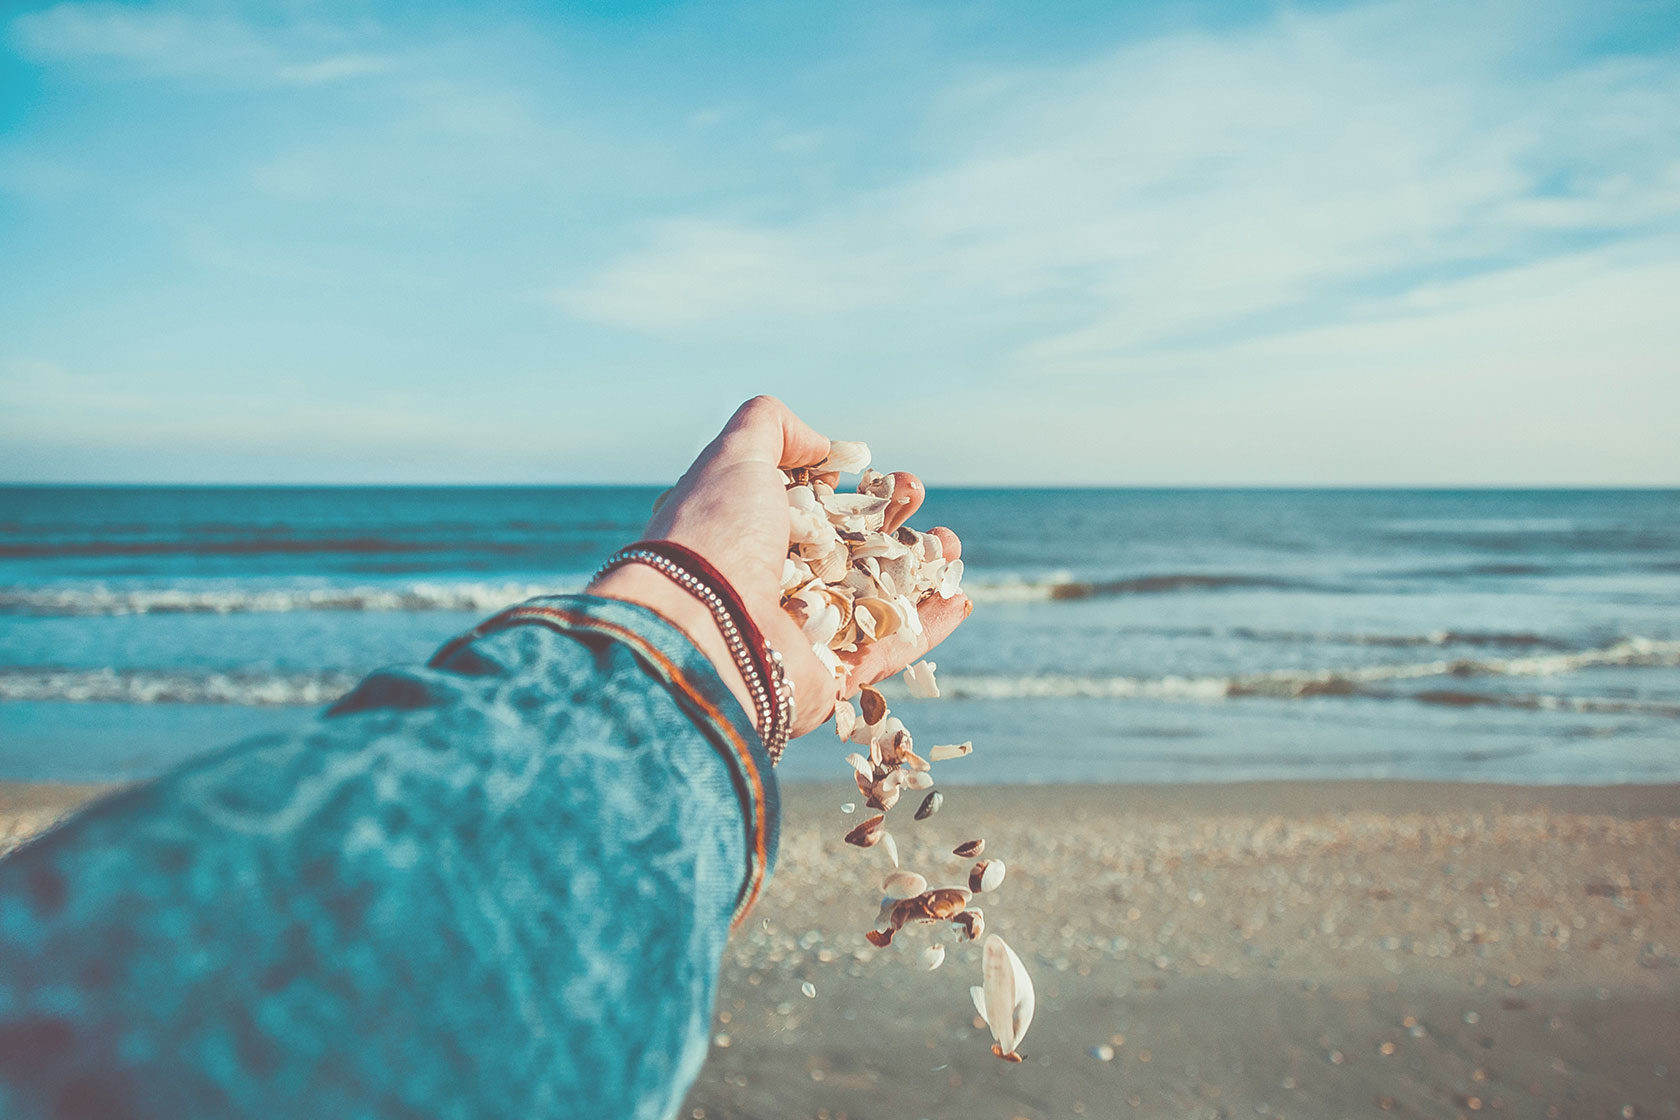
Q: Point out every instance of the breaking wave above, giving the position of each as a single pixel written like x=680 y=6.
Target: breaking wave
x=268 y=688
x=1368 y=681
x=1063 y=585
x=162 y=686
x=100 y=600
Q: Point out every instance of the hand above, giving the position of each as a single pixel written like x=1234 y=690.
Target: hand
x=731 y=508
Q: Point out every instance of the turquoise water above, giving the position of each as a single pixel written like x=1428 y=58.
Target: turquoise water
x=1132 y=635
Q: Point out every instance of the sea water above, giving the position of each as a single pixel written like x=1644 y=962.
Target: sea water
x=1119 y=635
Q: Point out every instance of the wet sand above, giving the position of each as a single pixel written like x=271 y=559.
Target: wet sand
x=1283 y=950
x=1271 y=949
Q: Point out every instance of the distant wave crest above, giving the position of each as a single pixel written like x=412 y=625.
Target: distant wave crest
x=101 y=600
x=1368 y=681
x=263 y=689
x=165 y=686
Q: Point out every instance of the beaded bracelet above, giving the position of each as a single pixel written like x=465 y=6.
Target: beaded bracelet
x=759 y=663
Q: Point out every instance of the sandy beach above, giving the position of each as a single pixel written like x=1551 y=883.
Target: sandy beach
x=1270 y=949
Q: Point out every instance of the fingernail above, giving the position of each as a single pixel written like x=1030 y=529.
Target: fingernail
x=968 y=607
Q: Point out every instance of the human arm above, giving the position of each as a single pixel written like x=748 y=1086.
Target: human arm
x=499 y=884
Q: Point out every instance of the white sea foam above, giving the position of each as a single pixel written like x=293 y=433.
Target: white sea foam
x=1295 y=684
x=99 y=599
x=162 y=686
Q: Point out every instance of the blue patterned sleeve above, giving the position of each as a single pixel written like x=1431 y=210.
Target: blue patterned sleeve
x=496 y=886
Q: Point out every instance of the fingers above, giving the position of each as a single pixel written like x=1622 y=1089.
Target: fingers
x=907 y=495
x=951 y=543
x=766 y=430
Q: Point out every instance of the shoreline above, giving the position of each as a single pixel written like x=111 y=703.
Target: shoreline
x=1281 y=949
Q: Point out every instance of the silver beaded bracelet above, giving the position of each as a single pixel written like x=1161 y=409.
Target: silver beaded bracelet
x=772 y=698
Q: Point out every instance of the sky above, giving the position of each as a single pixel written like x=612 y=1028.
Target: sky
x=1217 y=243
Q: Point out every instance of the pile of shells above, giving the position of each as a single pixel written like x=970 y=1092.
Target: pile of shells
x=847 y=582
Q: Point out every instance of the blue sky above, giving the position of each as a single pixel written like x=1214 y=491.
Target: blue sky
x=1391 y=243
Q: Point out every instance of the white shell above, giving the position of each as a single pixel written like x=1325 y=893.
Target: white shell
x=887 y=842
x=950 y=750
x=918 y=678
x=919 y=780
x=845 y=718
x=904 y=884
x=1007 y=998
x=848 y=456
x=933 y=956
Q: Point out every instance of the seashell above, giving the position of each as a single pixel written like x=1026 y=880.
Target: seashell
x=808 y=989
x=930 y=805
x=848 y=456
x=903 y=884
x=874 y=707
x=882 y=796
x=987 y=875
x=851 y=507
x=875 y=484
x=971 y=923
x=877 y=618
x=845 y=718
x=918 y=780
x=890 y=846
x=968 y=849
x=869 y=833
x=909 y=617
x=950 y=580
x=930 y=906
x=831 y=566
x=880 y=938
x=861 y=765
x=933 y=956
x=917 y=763
x=918 y=678
x=950 y=750
x=848 y=807
x=947 y=902
x=1006 y=998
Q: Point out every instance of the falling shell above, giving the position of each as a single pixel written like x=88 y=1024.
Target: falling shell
x=933 y=956
x=869 y=833
x=949 y=751
x=987 y=875
x=890 y=846
x=904 y=884
x=919 y=679
x=971 y=923
x=968 y=849
x=1005 y=998
x=930 y=805
x=874 y=707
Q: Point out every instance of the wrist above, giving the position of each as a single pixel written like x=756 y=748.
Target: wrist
x=650 y=588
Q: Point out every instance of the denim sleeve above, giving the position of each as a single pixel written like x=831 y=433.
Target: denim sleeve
x=496 y=886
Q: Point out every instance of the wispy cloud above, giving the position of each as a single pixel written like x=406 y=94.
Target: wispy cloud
x=1204 y=187
x=160 y=42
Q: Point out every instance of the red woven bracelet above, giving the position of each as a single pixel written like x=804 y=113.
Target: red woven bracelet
x=759 y=662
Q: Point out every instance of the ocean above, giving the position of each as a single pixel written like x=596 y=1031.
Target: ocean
x=1120 y=635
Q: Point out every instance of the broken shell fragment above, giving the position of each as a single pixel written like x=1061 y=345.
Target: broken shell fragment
x=987 y=875
x=904 y=884
x=930 y=906
x=1005 y=998
x=947 y=751
x=919 y=679
x=848 y=456
x=845 y=719
x=890 y=846
x=968 y=849
x=971 y=923
x=930 y=805
x=880 y=938
x=874 y=707
x=933 y=956
x=869 y=833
